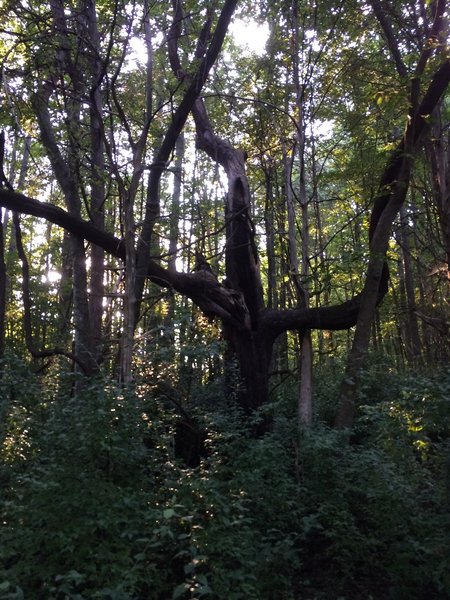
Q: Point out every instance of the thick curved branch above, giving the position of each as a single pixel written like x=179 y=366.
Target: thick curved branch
x=393 y=196
x=413 y=133
x=332 y=318
x=212 y=297
x=16 y=201
x=392 y=192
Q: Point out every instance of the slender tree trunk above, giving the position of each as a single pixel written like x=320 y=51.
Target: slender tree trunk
x=129 y=309
x=305 y=358
x=402 y=308
x=66 y=173
x=128 y=194
x=176 y=198
x=3 y=228
x=97 y=215
x=173 y=243
x=305 y=412
x=65 y=294
x=325 y=338
x=438 y=150
x=4 y=404
x=2 y=293
x=272 y=300
x=414 y=347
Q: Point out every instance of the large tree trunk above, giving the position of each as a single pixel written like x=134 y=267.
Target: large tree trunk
x=393 y=190
x=241 y=257
x=252 y=351
x=392 y=193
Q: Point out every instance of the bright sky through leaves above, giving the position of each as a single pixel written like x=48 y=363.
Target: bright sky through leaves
x=250 y=34
x=247 y=34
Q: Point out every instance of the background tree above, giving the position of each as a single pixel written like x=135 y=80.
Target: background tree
x=190 y=221
x=118 y=143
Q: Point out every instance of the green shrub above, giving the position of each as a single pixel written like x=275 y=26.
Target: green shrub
x=95 y=503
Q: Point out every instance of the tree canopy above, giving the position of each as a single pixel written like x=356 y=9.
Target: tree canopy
x=265 y=215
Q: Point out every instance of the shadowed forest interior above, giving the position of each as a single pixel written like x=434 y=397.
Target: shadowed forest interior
x=224 y=300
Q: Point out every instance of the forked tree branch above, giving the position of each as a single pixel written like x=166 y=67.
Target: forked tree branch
x=211 y=296
x=178 y=121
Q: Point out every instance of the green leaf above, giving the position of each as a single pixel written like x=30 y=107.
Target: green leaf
x=180 y=590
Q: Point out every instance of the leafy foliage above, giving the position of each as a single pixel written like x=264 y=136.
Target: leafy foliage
x=162 y=490
x=96 y=504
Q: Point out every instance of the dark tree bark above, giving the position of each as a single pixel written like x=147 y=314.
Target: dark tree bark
x=392 y=193
x=250 y=343
x=249 y=327
x=2 y=292
x=97 y=176
x=163 y=155
x=438 y=151
x=3 y=182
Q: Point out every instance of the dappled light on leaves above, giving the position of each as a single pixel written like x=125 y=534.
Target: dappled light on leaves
x=224 y=315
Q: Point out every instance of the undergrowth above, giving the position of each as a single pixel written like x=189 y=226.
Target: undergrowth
x=96 y=503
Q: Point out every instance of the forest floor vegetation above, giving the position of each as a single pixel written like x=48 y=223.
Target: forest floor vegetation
x=96 y=504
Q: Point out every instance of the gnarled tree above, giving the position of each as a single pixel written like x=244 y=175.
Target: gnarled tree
x=249 y=327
